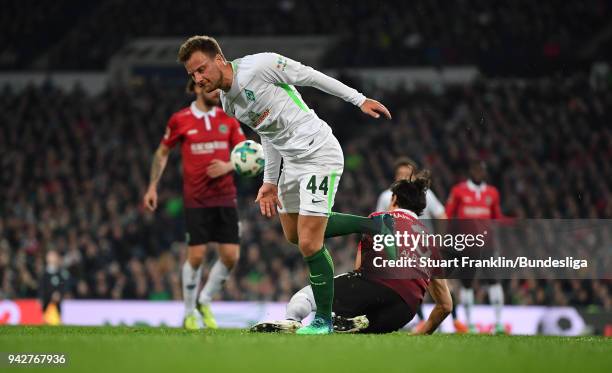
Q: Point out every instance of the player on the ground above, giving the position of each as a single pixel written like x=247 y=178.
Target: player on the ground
x=207 y=136
x=404 y=168
x=259 y=91
x=370 y=304
x=475 y=199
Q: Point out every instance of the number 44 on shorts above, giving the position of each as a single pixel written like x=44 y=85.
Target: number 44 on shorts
x=312 y=184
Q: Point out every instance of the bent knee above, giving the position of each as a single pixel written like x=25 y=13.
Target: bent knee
x=230 y=258
x=310 y=247
x=230 y=261
x=195 y=256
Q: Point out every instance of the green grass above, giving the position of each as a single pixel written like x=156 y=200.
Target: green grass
x=126 y=349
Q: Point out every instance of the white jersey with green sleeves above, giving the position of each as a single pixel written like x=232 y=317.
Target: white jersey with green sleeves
x=263 y=96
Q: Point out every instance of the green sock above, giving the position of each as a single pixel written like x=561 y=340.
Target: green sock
x=343 y=224
x=322 y=281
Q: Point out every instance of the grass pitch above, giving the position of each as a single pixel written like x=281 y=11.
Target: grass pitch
x=131 y=349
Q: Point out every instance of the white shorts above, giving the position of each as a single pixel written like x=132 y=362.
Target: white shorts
x=308 y=185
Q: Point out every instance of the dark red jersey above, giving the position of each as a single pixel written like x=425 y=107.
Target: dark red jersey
x=470 y=201
x=411 y=288
x=204 y=136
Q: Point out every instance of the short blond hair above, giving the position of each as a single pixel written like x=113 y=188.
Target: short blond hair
x=202 y=43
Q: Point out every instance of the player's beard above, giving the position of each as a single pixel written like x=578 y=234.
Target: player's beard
x=208 y=99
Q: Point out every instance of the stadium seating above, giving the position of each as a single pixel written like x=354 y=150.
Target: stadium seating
x=499 y=36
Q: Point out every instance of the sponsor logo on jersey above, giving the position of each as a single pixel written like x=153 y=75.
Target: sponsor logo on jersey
x=208 y=147
x=257 y=118
x=475 y=211
x=281 y=63
x=192 y=132
x=249 y=95
x=222 y=128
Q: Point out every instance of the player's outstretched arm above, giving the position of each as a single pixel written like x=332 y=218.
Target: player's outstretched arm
x=374 y=108
x=439 y=292
x=160 y=159
x=277 y=69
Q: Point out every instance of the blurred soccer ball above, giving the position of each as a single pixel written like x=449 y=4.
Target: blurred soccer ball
x=248 y=158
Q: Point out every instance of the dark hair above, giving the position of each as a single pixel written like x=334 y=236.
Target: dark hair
x=202 y=43
x=411 y=193
x=404 y=161
x=477 y=163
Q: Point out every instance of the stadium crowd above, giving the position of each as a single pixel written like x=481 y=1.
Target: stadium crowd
x=368 y=33
x=74 y=168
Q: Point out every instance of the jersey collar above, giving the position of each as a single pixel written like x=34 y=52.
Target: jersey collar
x=235 y=88
x=199 y=113
x=476 y=188
x=405 y=211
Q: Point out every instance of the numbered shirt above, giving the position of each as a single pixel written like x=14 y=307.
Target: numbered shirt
x=204 y=136
x=263 y=96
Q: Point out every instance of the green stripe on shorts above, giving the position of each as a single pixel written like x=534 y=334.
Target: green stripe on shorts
x=330 y=196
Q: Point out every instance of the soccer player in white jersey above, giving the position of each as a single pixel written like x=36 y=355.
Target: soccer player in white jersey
x=259 y=91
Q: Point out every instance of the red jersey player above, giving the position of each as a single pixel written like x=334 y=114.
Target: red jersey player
x=367 y=303
x=475 y=199
x=206 y=135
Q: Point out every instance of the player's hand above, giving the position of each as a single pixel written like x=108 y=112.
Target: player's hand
x=374 y=108
x=268 y=199
x=150 y=199
x=218 y=168
x=419 y=329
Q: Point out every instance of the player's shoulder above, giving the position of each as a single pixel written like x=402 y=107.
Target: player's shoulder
x=256 y=62
x=259 y=57
x=492 y=189
x=184 y=112
x=181 y=115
